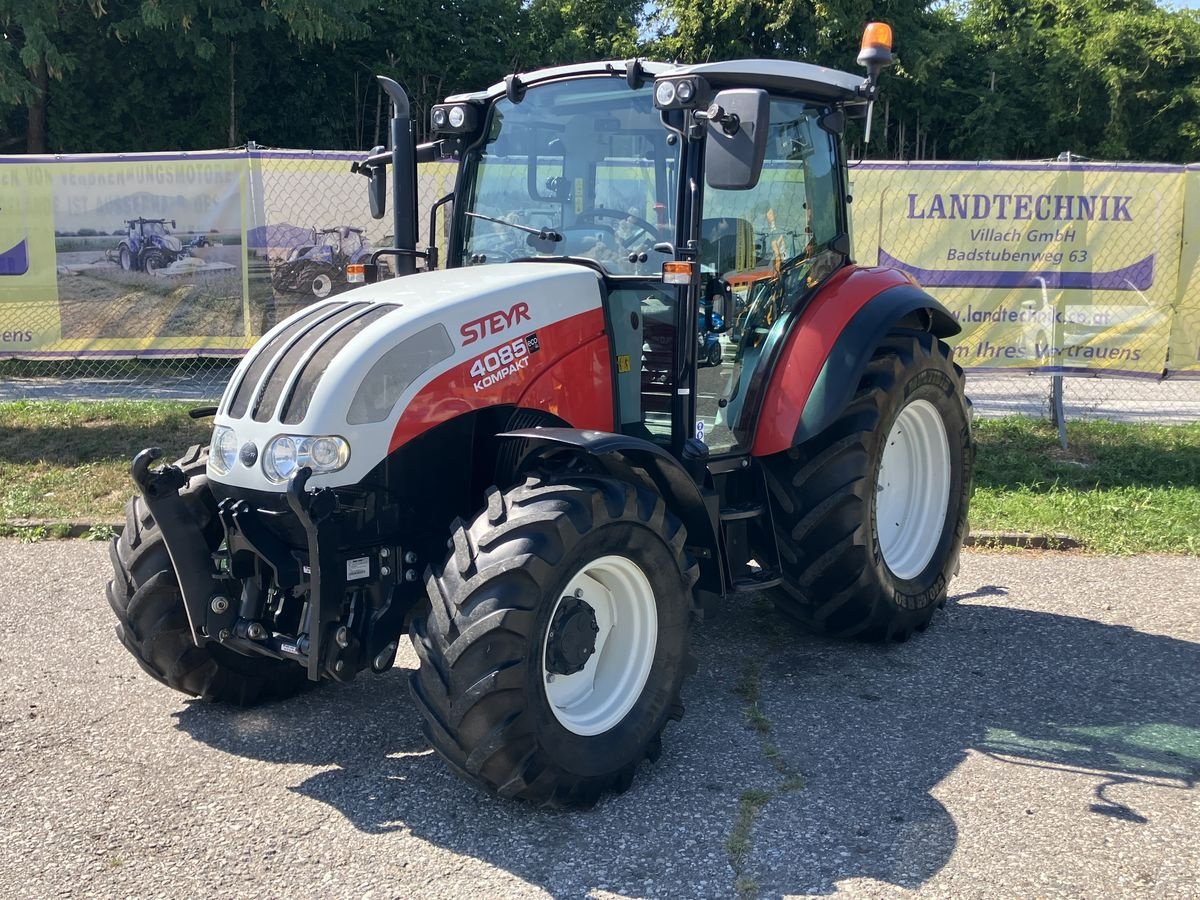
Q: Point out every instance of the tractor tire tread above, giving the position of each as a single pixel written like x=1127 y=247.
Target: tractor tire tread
x=481 y=612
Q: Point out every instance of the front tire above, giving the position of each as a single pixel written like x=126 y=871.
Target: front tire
x=557 y=640
x=319 y=283
x=151 y=620
x=870 y=515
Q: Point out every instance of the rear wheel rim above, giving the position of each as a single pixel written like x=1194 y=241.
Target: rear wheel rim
x=596 y=699
x=913 y=489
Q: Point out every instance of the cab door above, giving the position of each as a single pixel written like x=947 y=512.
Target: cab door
x=776 y=238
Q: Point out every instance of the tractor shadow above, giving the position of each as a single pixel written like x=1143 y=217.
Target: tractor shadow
x=865 y=734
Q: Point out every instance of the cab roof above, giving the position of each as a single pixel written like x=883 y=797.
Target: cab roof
x=780 y=75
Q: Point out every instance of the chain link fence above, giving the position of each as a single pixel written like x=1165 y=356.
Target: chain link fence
x=164 y=269
x=149 y=276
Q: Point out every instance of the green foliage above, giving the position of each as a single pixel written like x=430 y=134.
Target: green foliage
x=977 y=79
x=988 y=79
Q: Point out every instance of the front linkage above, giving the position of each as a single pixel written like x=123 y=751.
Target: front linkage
x=257 y=596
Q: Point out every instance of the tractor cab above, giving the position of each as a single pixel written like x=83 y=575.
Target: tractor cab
x=720 y=170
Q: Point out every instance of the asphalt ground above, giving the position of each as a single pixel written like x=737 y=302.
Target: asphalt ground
x=1042 y=739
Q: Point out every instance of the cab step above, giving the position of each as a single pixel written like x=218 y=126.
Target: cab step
x=755 y=580
x=745 y=511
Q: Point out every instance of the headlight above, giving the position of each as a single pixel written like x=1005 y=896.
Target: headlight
x=222 y=452
x=664 y=93
x=288 y=453
x=458 y=118
x=684 y=91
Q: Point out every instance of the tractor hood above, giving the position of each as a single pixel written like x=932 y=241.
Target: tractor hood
x=168 y=242
x=385 y=362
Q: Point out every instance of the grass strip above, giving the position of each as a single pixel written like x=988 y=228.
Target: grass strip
x=1119 y=488
x=69 y=461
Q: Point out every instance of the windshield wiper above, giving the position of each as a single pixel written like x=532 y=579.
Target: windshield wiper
x=544 y=234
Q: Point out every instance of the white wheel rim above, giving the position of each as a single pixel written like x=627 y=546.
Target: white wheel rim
x=913 y=489
x=322 y=285
x=596 y=698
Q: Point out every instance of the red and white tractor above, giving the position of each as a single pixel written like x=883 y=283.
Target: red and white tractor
x=517 y=460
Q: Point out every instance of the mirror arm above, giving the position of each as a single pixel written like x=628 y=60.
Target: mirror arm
x=430 y=152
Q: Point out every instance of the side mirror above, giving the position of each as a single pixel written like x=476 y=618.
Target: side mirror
x=737 y=139
x=377 y=190
x=719 y=304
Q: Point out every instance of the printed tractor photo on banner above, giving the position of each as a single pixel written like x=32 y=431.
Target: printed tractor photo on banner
x=148 y=249
x=307 y=222
x=1078 y=270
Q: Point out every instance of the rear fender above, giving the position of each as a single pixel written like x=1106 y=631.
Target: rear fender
x=829 y=348
x=633 y=458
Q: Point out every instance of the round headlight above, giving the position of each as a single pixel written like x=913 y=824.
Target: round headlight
x=685 y=90
x=328 y=453
x=664 y=93
x=223 y=451
x=280 y=458
x=458 y=115
x=439 y=118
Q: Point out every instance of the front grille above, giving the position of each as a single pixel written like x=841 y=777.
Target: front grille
x=295 y=405
x=244 y=393
x=294 y=355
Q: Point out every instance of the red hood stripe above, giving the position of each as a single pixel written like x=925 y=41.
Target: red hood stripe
x=452 y=393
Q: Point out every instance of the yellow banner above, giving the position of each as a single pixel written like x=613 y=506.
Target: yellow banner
x=178 y=254
x=1047 y=266
x=1053 y=267
x=1185 y=336
x=125 y=256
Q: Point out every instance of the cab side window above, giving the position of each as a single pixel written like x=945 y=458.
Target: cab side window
x=763 y=241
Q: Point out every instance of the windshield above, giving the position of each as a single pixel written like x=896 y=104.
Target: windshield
x=153 y=228
x=578 y=168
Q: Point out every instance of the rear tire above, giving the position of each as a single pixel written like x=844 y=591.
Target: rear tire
x=151 y=620
x=870 y=515
x=492 y=704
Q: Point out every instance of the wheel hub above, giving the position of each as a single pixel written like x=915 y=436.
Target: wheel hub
x=913 y=489
x=572 y=637
x=605 y=643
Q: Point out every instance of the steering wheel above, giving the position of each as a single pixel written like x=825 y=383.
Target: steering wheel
x=600 y=212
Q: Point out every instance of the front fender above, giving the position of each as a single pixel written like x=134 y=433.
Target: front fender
x=617 y=454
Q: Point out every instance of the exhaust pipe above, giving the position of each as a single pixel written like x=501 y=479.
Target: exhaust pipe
x=404 y=177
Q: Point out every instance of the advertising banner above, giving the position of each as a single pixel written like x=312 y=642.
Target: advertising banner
x=1185 y=335
x=178 y=255
x=1047 y=266
x=122 y=256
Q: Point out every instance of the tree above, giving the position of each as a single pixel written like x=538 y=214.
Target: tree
x=33 y=53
